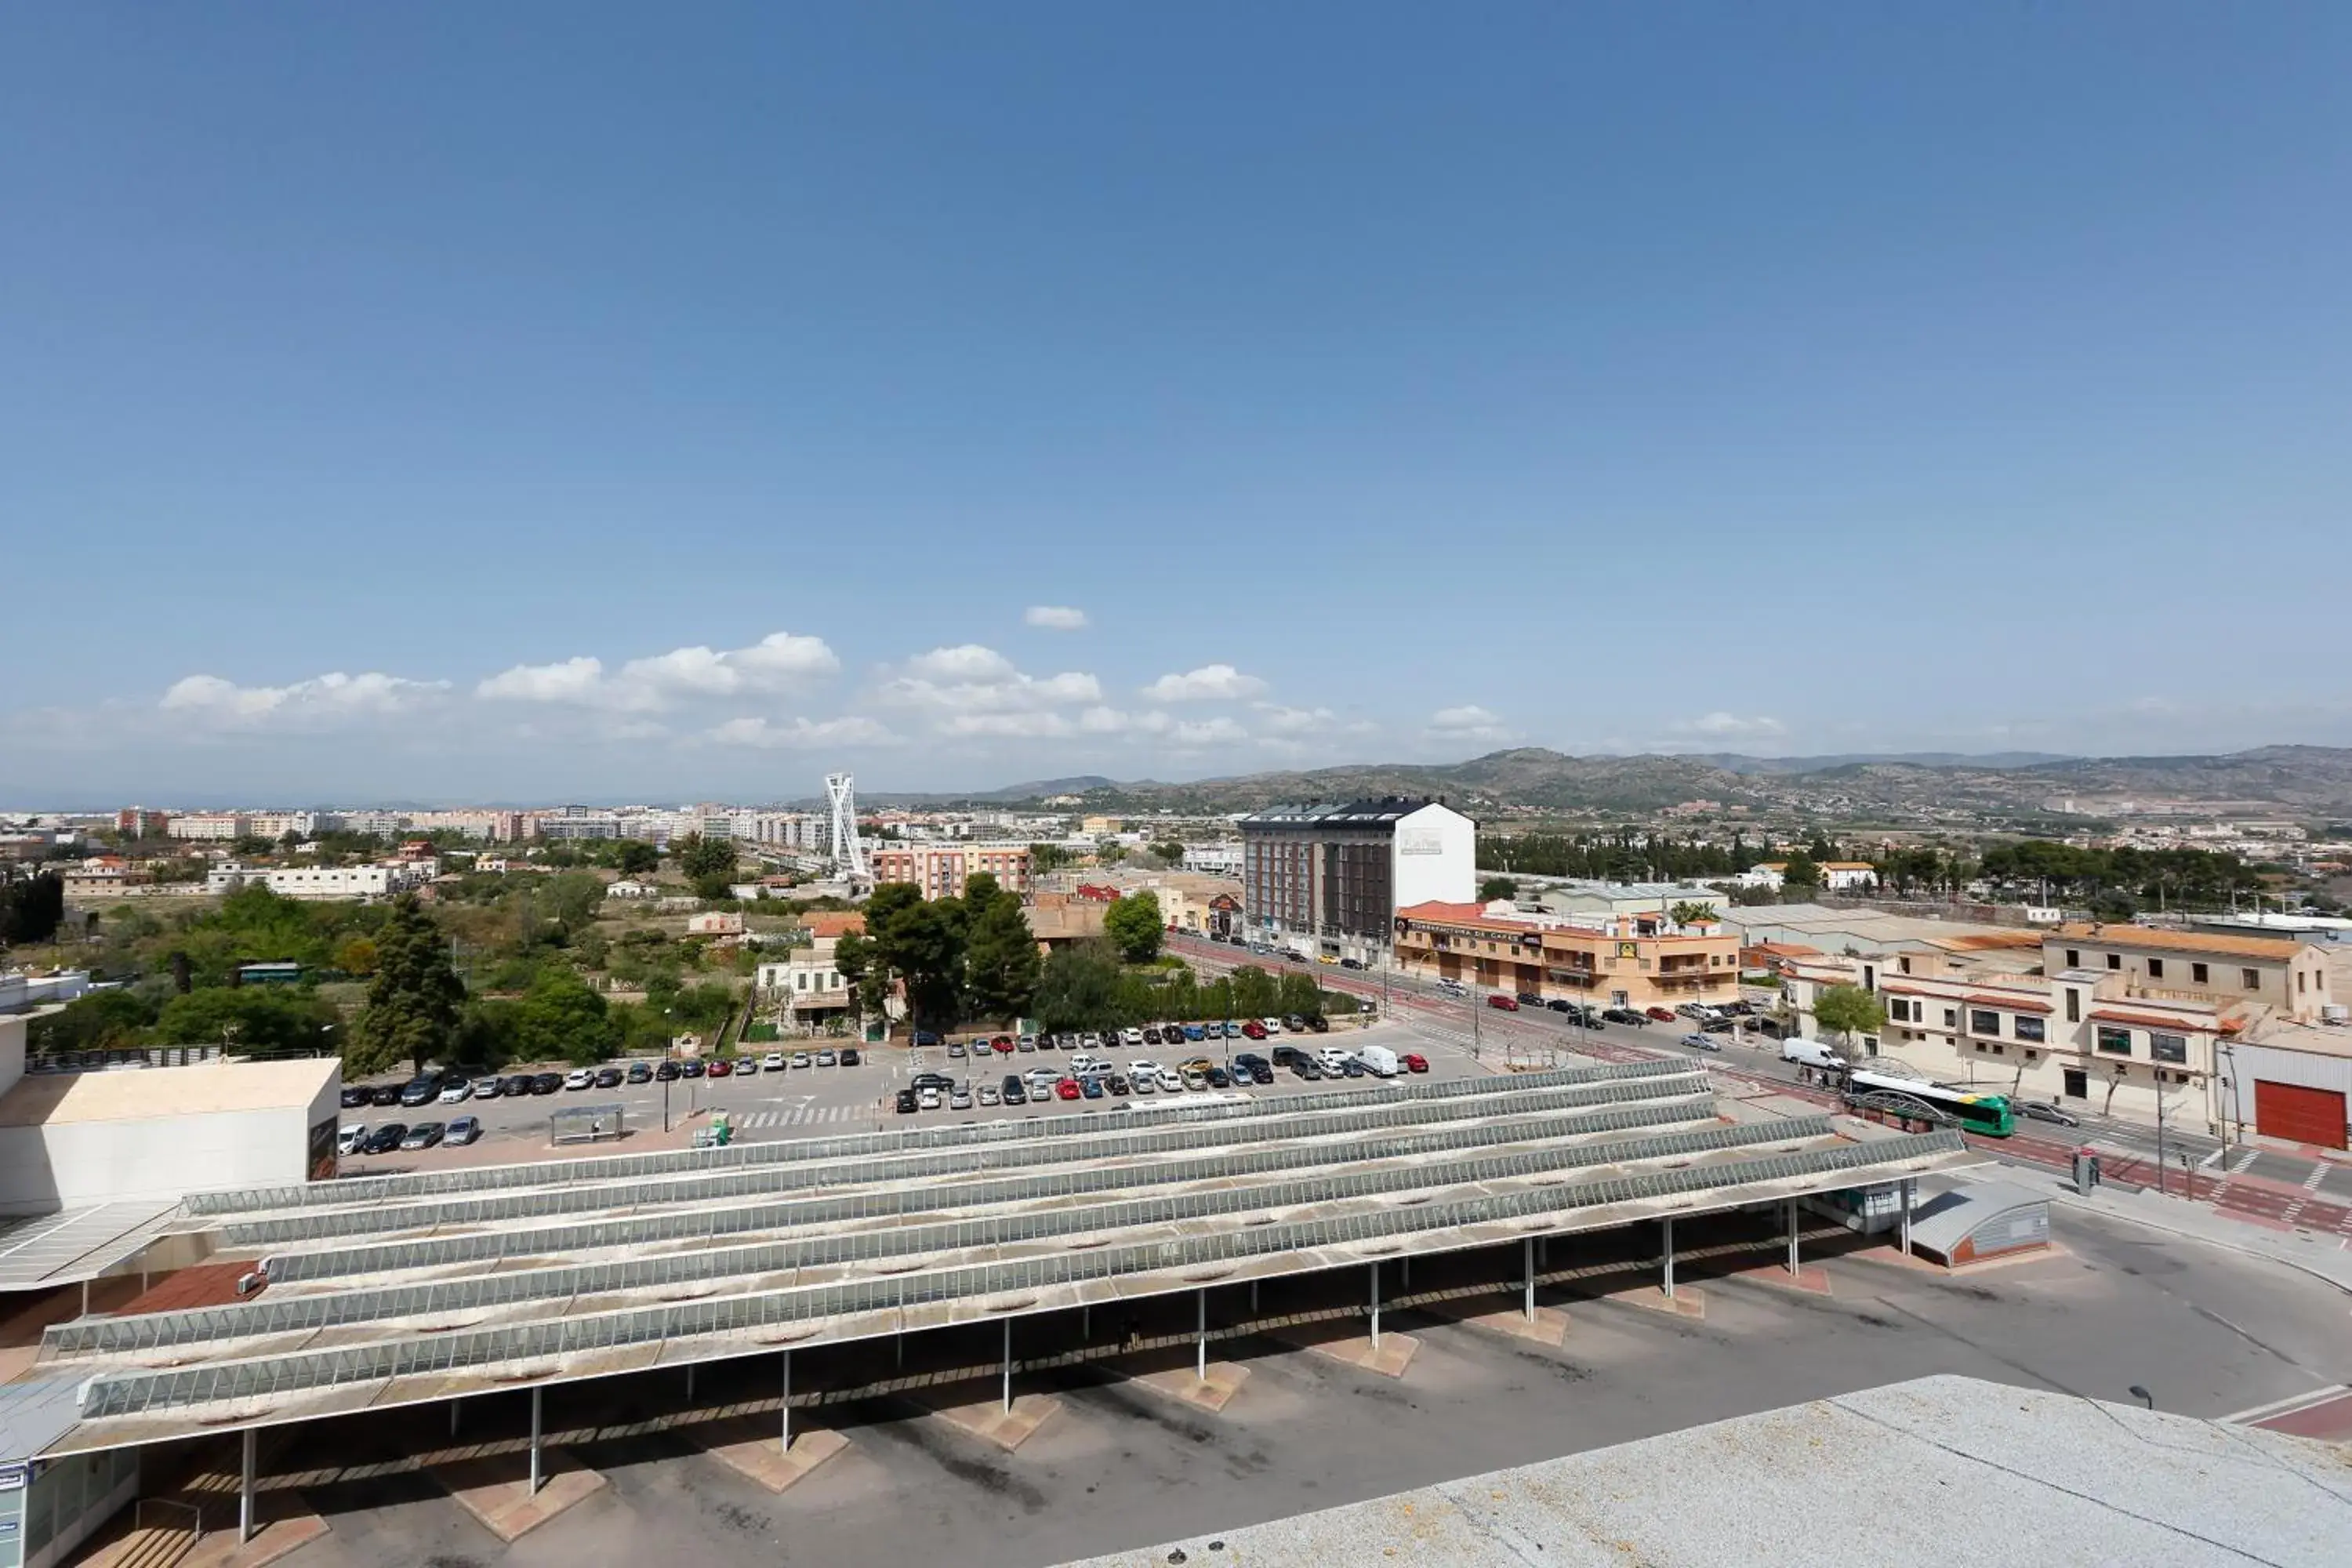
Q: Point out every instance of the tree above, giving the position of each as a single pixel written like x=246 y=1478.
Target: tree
x=1079 y=987
x=1848 y=1010
x=356 y=956
x=112 y=1017
x=1801 y=871
x=1495 y=887
x=1171 y=851
x=1000 y=966
x=1134 y=926
x=636 y=858
x=560 y=1019
x=247 y=1018
x=31 y=909
x=699 y=857
x=417 y=1000
x=573 y=899
x=1051 y=857
x=1691 y=914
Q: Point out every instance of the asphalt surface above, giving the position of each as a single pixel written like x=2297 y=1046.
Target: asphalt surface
x=2208 y=1333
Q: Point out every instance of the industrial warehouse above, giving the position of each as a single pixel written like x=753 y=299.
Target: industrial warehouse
x=476 y=1286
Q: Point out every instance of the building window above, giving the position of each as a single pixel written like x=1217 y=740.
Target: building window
x=2251 y=979
x=2114 y=961
x=1951 y=1018
x=2300 y=976
x=2166 y=1048
x=2074 y=1006
x=2113 y=1041
x=1981 y=1022
x=2030 y=1030
x=2074 y=958
x=2155 y=969
x=2197 y=972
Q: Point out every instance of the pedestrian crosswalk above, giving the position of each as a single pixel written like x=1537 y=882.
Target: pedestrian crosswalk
x=797 y=1116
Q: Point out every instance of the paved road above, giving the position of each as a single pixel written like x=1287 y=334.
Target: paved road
x=2208 y=1333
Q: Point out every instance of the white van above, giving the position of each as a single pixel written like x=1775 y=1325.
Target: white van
x=1810 y=1053
x=1379 y=1060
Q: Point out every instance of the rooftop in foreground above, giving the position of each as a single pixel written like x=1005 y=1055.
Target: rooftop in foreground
x=1960 y=1471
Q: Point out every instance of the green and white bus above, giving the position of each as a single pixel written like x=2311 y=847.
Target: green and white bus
x=1986 y=1114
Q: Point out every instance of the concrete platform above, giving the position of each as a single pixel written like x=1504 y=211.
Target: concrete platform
x=497 y=1490
x=221 y=1549
x=750 y=1449
x=1687 y=1302
x=1389 y=1360
x=988 y=1420
x=1211 y=1394
x=1549 y=1326
x=1811 y=1279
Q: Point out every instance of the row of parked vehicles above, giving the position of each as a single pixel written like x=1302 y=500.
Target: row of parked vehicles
x=980 y=1045
x=359 y=1138
x=448 y=1087
x=1089 y=1076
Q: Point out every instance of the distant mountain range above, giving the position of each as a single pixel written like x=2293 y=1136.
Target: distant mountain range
x=2299 y=779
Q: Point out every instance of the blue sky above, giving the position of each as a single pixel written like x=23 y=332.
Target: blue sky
x=1372 y=382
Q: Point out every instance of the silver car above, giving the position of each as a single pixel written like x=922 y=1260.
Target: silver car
x=962 y=1099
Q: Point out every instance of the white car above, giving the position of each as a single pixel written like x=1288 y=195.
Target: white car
x=457 y=1092
x=1083 y=1064
x=1143 y=1067
x=1271 y=1026
x=579 y=1078
x=772 y=1062
x=929 y=1100
x=349 y=1139
x=1170 y=1083
x=988 y=1095
x=747 y=1067
x=1043 y=1079
x=825 y=1058
x=1130 y=1036
x=800 y=1058
x=1090 y=1041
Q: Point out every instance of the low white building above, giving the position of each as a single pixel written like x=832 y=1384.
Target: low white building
x=1849 y=876
x=320 y=882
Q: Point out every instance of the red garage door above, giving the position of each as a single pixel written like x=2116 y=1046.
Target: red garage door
x=2305 y=1115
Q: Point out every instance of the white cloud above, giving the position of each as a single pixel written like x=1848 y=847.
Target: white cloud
x=804 y=734
x=1274 y=718
x=1217 y=732
x=1033 y=726
x=1056 y=617
x=1469 y=722
x=1721 y=723
x=777 y=662
x=569 y=681
x=970 y=678
x=1210 y=683
x=334 y=694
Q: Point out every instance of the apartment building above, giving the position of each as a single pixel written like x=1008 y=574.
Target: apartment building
x=810 y=984
x=138 y=822
x=317 y=882
x=940 y=869
x=1608 y=960
x=211 y=826
x=2113 y=1017
x=1331 y=879
x=1849 y=876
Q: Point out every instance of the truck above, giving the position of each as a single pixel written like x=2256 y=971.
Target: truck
x=1810 y=1053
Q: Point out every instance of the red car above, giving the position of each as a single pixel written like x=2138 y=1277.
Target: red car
x=1415 y=1061
x=1002 y=1045
x=1663 y=1015
x=1508 y=1002
x=1254 y=1029
x=722 y=1068
x=1067 y=1088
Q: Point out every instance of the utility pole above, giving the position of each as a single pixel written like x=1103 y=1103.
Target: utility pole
x=2159 y=1138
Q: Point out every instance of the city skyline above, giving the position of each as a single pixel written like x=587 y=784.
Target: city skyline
x=978 y=400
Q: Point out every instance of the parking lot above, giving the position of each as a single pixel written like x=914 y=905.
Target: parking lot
x=807 y=1102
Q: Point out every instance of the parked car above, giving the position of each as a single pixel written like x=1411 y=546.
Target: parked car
x=1068 y=1088
x=772 y=1062
x=722 y=1066
x=1560 y=1004
x=1254 y=1030
x=419 y=1091
x=1503 y=1001
x=2035 y=1111
x=1170 y=1083
x=463 y=1130
x=960 y=1098
x=1318 y=1023
x=349 y=1139
x=927 y=1099
x=579 y=1078
x=987 y=1095
x=825 y=1058
x=423 y=1135
x=1219 y=1078
x=1305 y=1068
x=518 y=1086
x=384 y=1138
x=641 y=1072
x=1249 y=1062
x=850 y=1056
x=1719 y=1025
x=747 y=1067
x=1015 y=1091
x=955 y=1050
x=546 y=1082
x=1452 y=988
x=606 y=1078
x=1415 y=1061
x=1091 y=1086
x=1701 y=1041
x=1624 y=1016
x=802 y=1059
x=355 y=1094
x=905 y=1102
x=693 y=1066
x=925 y=1037
x=1273 y=1025
x=1118 y=1085
x=1002 y=1045
x=490 y=1088
x=923 y=1080
x=667 y=1072
x=1351 y=963
x=1662 y=1015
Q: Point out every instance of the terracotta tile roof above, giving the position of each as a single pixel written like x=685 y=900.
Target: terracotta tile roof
x=833 y=922
x=1987 y=942
x=2014 y=1001
x=2278 y=949
x=1438 y=912
x=1786 y=949
x=2150 y=1020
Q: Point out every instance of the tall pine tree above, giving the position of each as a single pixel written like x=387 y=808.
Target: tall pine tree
x=415 y=1000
